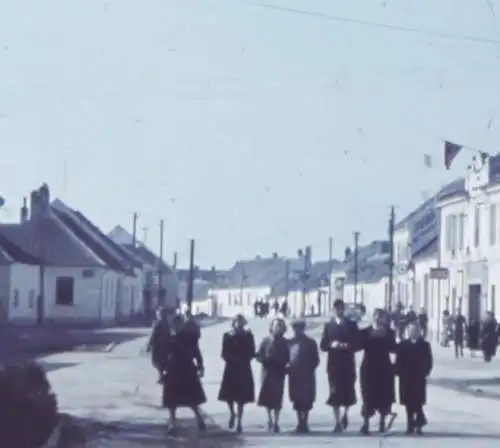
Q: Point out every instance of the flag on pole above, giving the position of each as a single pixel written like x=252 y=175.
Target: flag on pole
x=451 y=150
x=427 y=161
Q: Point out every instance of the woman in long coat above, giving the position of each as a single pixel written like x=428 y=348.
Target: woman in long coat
x=182 y=386
x=237 y=387
x=413 y=366
x=489 y=336
x=341 y=339
x=304 y=360
x=274 y=356
x=377 y=371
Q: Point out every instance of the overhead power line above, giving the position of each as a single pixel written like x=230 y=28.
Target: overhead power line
x=380 y=25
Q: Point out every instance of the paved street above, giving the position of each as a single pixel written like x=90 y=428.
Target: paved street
x=119 y=390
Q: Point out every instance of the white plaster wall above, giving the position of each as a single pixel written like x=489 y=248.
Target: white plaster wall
x=24 y=282
x=231 y=301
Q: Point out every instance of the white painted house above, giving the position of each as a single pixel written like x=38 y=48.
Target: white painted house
x=470 y=239
x=84 y=278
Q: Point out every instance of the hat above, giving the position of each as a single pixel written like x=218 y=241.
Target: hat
x=300 y=323
x=339 y=303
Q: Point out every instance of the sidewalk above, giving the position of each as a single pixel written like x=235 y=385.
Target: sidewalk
x=116 y=397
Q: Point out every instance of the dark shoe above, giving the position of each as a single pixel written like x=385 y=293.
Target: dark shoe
x=418 y=431
x=172 y=431
x=410 y=430
x=337 y=428
x=232 y=419
x=365 y=430
x=202 y=425
x=239 y=428
x=276 y=428
x=270 y=425
x=345 y=421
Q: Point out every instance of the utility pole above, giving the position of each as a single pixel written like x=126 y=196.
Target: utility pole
x=135 y=218
x=390 y=288
x=305 y=277
x=356 y=265
x=190 y=286
x=330 y=268
x=145 y=231
x=174 y=261
x=161 y=289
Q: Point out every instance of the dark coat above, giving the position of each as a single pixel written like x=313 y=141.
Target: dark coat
x=489 y=337
x=341 y=366
x=238 y=350
x=459 y=327
x=377 y=371
x=304 y=360
x=274 y=356
x=413 y=366
x=182 y=386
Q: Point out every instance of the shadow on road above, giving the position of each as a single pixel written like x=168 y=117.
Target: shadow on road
x=124 y=434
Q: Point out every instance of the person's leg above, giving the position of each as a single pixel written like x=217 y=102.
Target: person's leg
x=239 y=416
x=276 y=427
x=336 y=417
x=410 y=420
x=199 y=418
x=232 y=414
x=173 y=420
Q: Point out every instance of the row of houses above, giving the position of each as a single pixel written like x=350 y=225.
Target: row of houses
x=57 y=266
x=446 y=257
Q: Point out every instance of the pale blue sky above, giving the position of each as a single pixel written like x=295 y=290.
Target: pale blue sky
x=296 y=127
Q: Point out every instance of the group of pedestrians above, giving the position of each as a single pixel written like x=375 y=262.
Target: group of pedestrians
x=477 y=336
x=175 y=353
x=263 y=308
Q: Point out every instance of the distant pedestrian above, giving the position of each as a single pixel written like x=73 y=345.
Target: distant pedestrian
x=473 y=336
x=459 y=331
x=423 y=321
x=237 y=387
x=274 y=356
x=413 y=366
x=304 y=360
x=341 y=339
x=446 y=329
x=489 y=336
x=182 y=387
x=377 y=371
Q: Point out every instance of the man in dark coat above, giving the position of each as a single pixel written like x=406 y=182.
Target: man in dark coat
x=459 y=328
x=182 y=386
x=489 y=336
x=341 y=339
x=413 y=366
x=158 y=341
x=304 y=360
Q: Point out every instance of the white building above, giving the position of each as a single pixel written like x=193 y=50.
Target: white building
x=83 y=276
x=470 y=239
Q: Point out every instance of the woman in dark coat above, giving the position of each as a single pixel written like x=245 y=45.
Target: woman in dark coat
x=182 y=385
x=413 y=366
x=159 y=341
x=304 y=360
x=238 y=350
x=377 y=371
x=489 y=336
x=274 y=356
x=473 y=331
x=341 y=339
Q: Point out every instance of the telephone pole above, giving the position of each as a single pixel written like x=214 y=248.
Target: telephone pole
x=135 y=218
x=356 y=267
x=161 y=289
x=190 y=286
x=390 y=288
x=330 y=268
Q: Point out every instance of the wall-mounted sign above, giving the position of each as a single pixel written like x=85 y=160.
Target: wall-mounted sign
x=439 y=273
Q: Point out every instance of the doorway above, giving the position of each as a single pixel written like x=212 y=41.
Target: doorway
x=474 y=302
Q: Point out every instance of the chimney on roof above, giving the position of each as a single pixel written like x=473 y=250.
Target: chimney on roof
x=24 y=210
x=40 y=201
x=257 y=257
x=300 y=253
x=275 y=255
x=347 y=252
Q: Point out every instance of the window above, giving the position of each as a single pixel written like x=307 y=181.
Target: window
x=493 y=299
x=461 y=231
x=31 y=299
x=15 y=301
x=448 y=233
x=477 y=225
x=493 y=224
x=453 y=232
x=65 y=287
